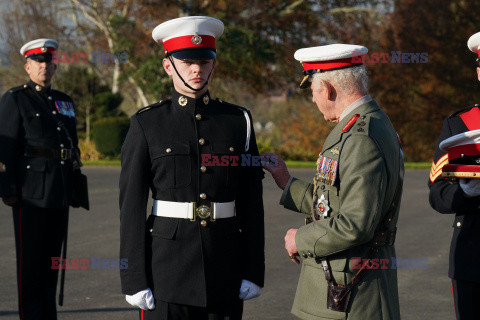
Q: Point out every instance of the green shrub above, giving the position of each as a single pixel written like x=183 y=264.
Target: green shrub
x=108 y=135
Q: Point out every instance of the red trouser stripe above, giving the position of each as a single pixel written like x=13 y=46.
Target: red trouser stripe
x=21 y=263
x=453 y=294
x=141 y=314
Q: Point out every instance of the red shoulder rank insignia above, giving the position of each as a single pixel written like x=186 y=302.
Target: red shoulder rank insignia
x=351 y=122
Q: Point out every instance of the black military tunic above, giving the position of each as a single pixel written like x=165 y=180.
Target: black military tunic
x=183 y=261
x=37 y=139
x=446 y=197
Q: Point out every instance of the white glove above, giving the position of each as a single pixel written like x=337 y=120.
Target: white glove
x=142 y=299
x=471 y=187
x=249 y=290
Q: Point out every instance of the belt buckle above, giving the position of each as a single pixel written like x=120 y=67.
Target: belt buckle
x=203 y=211
x=65 y=154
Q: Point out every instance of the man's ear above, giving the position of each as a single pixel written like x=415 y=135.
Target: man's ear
x=478 y=73
x=332 y=93
x=27 y=67
x=167 y=65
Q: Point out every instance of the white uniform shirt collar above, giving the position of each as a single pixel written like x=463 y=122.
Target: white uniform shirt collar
x=355 y=105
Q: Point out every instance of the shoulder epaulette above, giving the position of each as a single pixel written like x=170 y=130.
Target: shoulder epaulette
x=232 y=105
x=463 y=110
x=361 y=125
x=19 y=88
x=153 y=106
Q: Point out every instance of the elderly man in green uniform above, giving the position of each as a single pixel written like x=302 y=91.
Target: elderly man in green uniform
x=353 y=202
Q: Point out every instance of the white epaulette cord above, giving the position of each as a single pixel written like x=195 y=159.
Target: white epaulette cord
x=249 y=130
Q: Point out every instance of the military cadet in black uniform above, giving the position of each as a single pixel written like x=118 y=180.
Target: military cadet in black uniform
x=463 y=199
x=38 y=143
x=201 y=251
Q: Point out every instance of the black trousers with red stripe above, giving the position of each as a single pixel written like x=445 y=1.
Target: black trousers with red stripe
x=466 y=296
x=39 y=234
x=171 y=311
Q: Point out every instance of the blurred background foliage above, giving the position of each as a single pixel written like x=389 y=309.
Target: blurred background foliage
x=255 y=66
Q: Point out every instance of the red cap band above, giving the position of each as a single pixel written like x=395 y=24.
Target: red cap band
x=466 y=150
x=187 y=42
x=332 y=64
x=39 y=50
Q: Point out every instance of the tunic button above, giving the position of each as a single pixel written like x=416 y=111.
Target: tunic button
x=54 y=112
x=322 y=187
x=232 y=149
x=58 y=128
x=198 y=116
x=310 y=254
x=240 y=230
x=304 y=255
x=203 y=223
x=38 y=114
x=168 y=150
x=62 y=162
x=203 y=196
x=203 y=168
x=151 y=230
x=61 y=145
x=28 y=167
x=201 y=141
x=459 y=224
x=49 y=98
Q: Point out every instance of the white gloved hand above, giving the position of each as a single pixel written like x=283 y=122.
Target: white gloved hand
x=142 y=299
x=471 y=187
x=249 y=290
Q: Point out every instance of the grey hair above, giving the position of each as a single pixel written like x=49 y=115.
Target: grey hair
x=349 y=80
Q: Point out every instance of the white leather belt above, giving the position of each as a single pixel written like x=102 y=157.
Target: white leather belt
x=190 y=210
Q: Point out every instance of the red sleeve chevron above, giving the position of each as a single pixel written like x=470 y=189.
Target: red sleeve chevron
x=436 y=170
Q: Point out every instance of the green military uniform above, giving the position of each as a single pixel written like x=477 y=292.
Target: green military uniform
x=359 y=168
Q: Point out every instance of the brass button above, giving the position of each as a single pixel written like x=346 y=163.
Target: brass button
x=240 y=230
x=37 y=114
x=322 y=187
x=49 y=98
x=201 y=141
x=232 y=149
x=198 y=116
x=38 y=88
x=459 y=224
x=203 y=168
x=168 y=150
x=310 y=254
x=54 y=112
x=61 y=145
x=203 y=196
x=203 y=223
x=58 y=128
x=62 y=162
x=304 y=255
x=151 y=230
x=28 y=167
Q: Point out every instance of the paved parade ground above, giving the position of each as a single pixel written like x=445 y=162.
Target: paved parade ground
x=422 y=244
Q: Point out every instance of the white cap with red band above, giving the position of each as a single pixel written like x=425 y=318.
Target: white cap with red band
x=463 y=154
x=474 y=43
x=39 y=46
x=189 y=37
x=328 y=57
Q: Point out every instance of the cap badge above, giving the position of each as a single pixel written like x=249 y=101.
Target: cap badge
x=206 y=99
x=182 y=101
x=196 y=39
x=3 y=167
x=38 y=88
x=44 y=49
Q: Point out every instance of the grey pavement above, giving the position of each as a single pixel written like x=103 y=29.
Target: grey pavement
x=94 y=294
